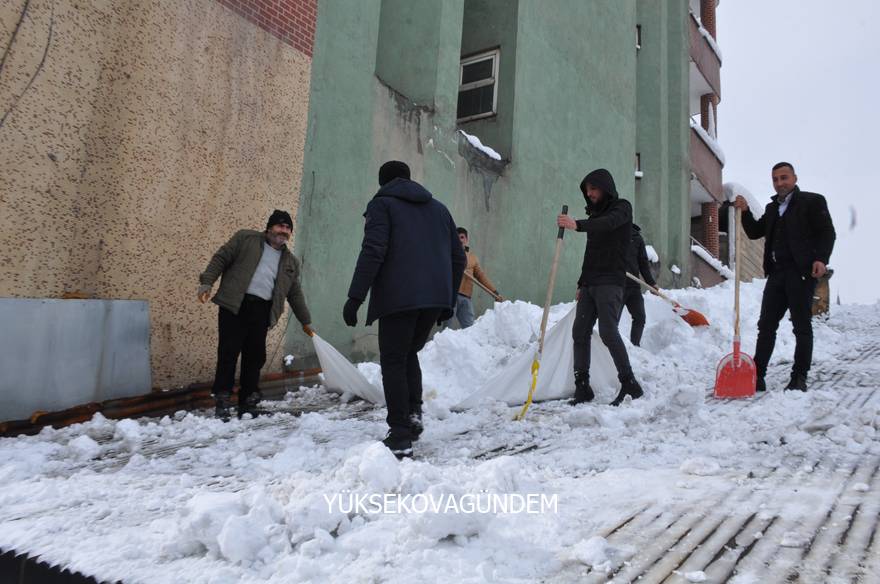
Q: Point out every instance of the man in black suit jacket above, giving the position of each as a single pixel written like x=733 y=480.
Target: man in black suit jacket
x=799 y=239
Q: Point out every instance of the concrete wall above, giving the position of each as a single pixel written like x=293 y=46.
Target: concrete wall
x=135 y=138
x=574 y=110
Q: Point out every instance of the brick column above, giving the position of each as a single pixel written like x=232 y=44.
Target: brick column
x=709 y=220
x=708 y=105
x=707 y=16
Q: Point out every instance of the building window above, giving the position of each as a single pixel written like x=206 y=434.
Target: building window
x=478 y=86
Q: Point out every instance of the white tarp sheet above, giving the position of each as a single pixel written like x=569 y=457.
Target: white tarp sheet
x=343 y=377
x=556 y=375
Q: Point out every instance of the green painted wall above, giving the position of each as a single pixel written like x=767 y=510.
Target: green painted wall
x=490 y=24
x=662 y=196
x=569 y=106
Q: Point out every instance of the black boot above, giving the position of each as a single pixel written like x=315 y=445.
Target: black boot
x=250 y=405
x=399 y=447
x=798 y=382
x=582 y=391
x=760 y=384
x=629 y=387
x=222 y=407
x=415 y=426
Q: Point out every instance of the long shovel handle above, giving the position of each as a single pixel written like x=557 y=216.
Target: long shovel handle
x=552 y=282
x=653 y=289
x=736 y=248
x=536 y=363
x=478 y=283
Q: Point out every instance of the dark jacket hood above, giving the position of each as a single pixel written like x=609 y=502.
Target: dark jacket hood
x=407 y=190
x=602 y=179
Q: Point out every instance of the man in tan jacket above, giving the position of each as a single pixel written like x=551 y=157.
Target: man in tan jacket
x=464 y=308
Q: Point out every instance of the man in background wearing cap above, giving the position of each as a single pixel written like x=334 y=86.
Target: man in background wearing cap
x=600 y=287
x=258 y=274
x=411 y=263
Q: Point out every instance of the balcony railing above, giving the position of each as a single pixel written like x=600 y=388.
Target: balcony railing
x=705 y=57
x=706 y=165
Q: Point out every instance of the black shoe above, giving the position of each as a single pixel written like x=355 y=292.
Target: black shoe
x=798 y=382
x=222 y=407
x=416 y=427
x=760 y=384
x=583 y=393
x=399 y=447
x=629 y=387
x=251 y=405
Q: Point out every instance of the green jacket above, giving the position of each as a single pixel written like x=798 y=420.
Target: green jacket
x=237 y=261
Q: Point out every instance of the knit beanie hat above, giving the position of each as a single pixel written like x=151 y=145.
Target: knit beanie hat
x=279 y=217
x=391 y=170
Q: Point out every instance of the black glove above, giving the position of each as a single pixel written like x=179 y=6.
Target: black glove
x=350 y=311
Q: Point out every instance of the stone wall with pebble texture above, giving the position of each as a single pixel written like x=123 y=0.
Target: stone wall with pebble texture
x=135 y=138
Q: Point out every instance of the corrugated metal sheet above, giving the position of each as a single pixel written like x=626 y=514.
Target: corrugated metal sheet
x=55 y=354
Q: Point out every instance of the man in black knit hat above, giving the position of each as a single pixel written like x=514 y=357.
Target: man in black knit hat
x=600 y=286
x=798 y=239
x=411 y=263
x=258 y=274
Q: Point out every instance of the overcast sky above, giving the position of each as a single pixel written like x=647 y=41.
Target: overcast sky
x=799 y=83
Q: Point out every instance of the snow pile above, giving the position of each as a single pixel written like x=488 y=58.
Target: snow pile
x=476 y=143
x=456 y=363
x=272 y=500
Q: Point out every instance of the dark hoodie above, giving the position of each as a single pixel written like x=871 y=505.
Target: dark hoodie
x=637 y=260
x=410 y=257
x=608 y=229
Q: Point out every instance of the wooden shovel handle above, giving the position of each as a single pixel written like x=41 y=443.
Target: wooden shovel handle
x=480 y=284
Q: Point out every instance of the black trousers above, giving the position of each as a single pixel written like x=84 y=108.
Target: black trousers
x=602 y=303
x=635 y=304
x=786 y=289
x=401 y=336
x=242 y=334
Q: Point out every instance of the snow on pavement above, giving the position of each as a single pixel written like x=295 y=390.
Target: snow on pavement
x=188 y=498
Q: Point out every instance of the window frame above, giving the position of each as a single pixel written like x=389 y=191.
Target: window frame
x=495 y=56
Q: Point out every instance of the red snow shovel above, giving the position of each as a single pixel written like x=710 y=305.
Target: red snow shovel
x=736 y=373
x=690 y=316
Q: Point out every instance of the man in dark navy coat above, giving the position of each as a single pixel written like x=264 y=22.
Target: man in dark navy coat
x=799 y=237
x=411 y=263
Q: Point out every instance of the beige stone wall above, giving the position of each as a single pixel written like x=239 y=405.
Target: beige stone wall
x=135 y=137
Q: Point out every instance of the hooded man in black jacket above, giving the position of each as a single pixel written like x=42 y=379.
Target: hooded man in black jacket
x=799 y=237
x=600 y=287
x=411 y=263
x=637 y=265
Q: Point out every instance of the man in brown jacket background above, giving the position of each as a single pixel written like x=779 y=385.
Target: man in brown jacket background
x=258 y=274
x=464 y=308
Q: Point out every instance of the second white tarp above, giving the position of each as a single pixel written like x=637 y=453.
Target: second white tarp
x=556 y=375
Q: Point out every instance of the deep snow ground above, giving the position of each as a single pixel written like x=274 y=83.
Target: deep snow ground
x=673 y=487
